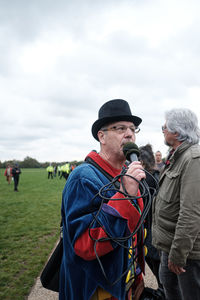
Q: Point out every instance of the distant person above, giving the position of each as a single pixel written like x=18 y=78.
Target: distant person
x=50 y=171
x=55 y=171
x=8 y=174
x=152 y=177
x=159 y=163
x=176 y=208
x=59 y=170
x=15 y=173
x=72 y=167
x=65 y=170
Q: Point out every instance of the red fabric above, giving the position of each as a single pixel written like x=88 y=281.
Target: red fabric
x=84 y=246
x=167 y=162
x=127 y=210
x=104 y=164
x=5 y=173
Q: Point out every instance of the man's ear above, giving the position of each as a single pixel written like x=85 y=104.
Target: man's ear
x=101 y=136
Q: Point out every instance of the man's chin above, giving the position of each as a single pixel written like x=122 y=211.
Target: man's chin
x=167 y=144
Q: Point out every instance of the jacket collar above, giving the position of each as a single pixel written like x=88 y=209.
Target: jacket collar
x=179 y=150
x=174 y=156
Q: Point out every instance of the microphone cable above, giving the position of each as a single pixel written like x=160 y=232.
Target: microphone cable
x=122 y=241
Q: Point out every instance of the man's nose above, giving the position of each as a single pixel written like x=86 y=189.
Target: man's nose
x=129 y=131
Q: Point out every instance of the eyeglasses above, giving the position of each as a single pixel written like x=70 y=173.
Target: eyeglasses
x=164 y=128
x=121 y=129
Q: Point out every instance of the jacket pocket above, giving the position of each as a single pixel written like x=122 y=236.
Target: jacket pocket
x=170 y=187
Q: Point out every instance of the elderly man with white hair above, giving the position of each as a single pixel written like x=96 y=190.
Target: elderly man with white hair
x=176 y=208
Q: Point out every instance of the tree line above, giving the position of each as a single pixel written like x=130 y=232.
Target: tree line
x=30 y=162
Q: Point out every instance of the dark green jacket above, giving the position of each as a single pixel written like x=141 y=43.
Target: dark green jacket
x=176 y=208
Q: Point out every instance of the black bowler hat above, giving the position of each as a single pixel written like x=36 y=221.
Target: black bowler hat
x=114 y=111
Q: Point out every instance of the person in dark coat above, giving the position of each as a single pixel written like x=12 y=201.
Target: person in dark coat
x=15 y=173
x=152 y=177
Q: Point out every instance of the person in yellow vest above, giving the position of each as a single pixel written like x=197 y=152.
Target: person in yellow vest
x=65 y=170
x=59 y=170
x=50 y=171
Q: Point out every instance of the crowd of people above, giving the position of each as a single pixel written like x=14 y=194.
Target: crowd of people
x=12 y=173
x=62 y=171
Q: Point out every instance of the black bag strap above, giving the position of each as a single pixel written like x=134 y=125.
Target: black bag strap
x=106 y=174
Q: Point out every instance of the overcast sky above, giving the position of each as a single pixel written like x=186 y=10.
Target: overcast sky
x=61 y=60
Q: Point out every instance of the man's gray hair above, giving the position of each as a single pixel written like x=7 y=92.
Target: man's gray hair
x=184 y=122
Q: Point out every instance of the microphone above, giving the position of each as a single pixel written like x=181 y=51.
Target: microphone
x=131 y=151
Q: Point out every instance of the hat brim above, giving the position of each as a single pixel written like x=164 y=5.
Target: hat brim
x=99 y=123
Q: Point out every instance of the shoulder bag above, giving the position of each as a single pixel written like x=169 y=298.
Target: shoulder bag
x=50 y=274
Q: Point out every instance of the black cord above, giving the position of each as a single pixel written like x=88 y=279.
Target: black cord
x=122 y=241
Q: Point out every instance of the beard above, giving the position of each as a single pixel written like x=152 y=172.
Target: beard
x=167 y=143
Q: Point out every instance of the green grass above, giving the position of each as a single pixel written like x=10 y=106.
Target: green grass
x=29 y=229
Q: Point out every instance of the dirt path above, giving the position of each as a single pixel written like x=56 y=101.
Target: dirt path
x=40 y=293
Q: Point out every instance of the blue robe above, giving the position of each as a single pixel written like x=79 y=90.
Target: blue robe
x=79 y=278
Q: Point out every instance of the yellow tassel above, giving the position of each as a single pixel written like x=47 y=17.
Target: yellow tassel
x=145 y=233
x=145 y=250
x=130 y=252
x=128 y=276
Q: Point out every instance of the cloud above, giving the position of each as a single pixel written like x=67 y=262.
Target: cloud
x=60 y=61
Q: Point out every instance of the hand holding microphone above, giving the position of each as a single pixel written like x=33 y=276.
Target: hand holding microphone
x=135 y=169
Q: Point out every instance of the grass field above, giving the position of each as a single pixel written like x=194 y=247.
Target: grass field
x=29 y=228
